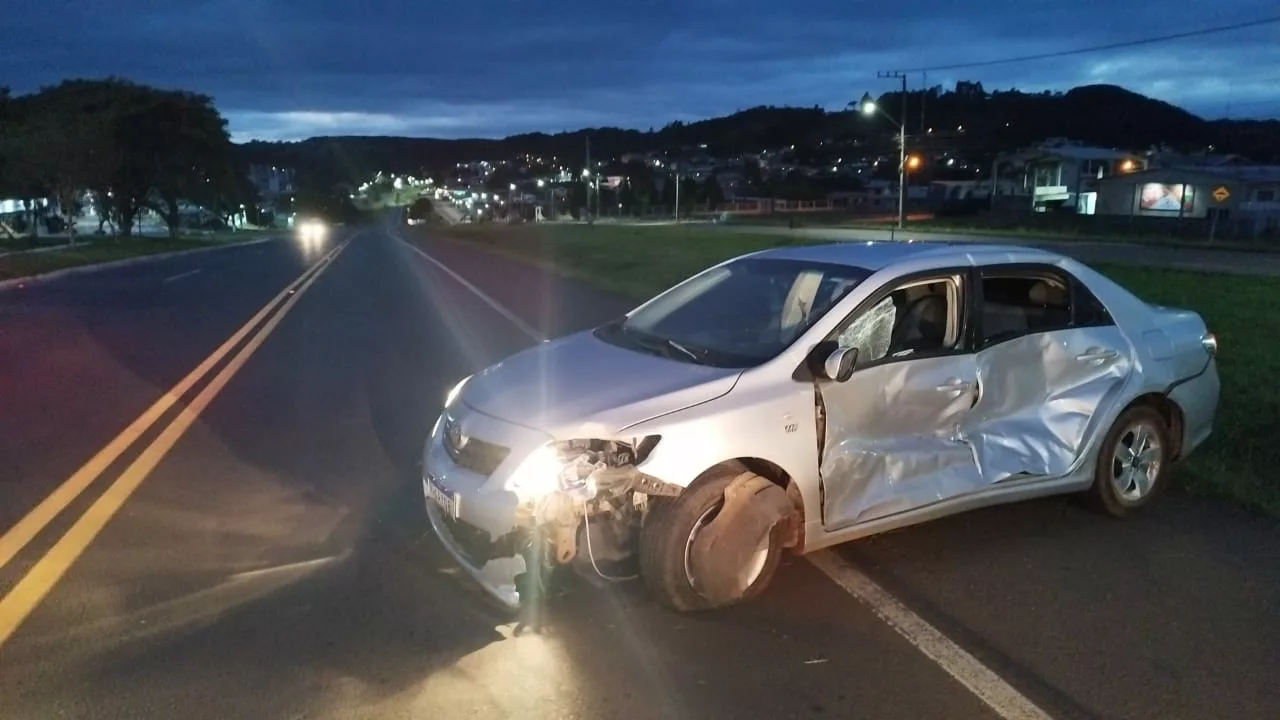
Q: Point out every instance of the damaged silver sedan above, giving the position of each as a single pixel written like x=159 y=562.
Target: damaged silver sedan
x=797 y=398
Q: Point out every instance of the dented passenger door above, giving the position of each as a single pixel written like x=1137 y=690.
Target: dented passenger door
x=892 y=440
x=1050 y=362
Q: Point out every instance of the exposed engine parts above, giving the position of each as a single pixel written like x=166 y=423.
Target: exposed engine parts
x=598 y=480
x=595 y=519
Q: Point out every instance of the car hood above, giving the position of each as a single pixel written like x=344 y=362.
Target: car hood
x=579 y=384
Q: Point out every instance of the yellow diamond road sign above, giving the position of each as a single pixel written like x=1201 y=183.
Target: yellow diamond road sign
x=1221 y=193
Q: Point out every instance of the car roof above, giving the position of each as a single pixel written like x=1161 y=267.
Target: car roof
x=876 y=255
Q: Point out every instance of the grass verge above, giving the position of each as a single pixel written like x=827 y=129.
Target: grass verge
x=1237 y=463
x=979 y=228
x=26 y=242
x=100 y=251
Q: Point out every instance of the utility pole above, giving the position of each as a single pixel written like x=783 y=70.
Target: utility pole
x=924 y=95
x=676 y=171
x=587 y=180
x=902 y=148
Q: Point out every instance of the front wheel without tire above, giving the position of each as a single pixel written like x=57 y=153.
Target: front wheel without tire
x=1133 y=462
x=667 y=539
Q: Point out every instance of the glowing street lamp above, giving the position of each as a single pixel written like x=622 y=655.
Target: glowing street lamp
x=868 y=106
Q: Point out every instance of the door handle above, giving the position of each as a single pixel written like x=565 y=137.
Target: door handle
x=955 y=387
x=1097 y=355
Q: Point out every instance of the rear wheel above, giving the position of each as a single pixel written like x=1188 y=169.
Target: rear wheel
x=1133 y=462
x=667 y=540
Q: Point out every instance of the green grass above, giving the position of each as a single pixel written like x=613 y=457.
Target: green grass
x=26 y=242
x=1239 y=461
x=96 y=251
x=231 y=236
x=981 y=225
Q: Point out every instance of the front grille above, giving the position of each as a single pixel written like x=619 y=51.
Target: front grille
x=471 y=453
x=477 y=547
x=477 y=456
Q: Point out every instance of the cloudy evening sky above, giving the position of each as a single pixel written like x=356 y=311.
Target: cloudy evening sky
x=285 y=69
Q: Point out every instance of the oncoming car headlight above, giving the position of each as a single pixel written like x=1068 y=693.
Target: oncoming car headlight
x=537 y=476
x=311 y=230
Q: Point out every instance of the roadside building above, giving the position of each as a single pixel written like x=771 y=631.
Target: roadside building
x=1057 y=173
x=1239 y=200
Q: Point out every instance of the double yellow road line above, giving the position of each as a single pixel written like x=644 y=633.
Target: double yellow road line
x=27 y=594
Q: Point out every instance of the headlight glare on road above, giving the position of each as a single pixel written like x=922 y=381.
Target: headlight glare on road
x=538 y=476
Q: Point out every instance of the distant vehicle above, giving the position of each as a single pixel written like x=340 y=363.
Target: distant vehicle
x=311 y=230
x=802 y=397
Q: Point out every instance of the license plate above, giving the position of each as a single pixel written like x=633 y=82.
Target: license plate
x=441 y=496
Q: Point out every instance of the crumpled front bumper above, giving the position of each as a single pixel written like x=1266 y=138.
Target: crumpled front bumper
x=484 y=537
x=496 y=576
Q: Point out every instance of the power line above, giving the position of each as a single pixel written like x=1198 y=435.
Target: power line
x=1099 y=48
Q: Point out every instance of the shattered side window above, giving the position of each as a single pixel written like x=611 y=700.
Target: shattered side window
x=872 y=331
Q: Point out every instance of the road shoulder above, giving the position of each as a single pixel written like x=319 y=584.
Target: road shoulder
x=46 y=265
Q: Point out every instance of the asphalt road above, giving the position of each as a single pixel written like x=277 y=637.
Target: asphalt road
x=1232 y=262
x=274 y=563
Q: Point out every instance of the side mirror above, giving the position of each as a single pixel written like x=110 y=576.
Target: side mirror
x=839 y=365
x=829 y=361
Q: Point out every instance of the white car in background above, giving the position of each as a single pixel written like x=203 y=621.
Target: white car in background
x=798 y=398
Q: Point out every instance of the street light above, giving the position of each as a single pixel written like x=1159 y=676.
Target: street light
x=868 y=106
x=550 y=198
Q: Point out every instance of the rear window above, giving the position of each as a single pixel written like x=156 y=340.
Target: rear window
x=1016 y=305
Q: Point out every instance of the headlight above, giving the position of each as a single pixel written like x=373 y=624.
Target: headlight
x=538 y=476
x=311 y=230
x=455 y=392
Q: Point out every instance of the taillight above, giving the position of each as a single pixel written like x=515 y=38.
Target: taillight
x=1210 y=343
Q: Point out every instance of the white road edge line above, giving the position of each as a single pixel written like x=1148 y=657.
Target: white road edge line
x=977 y=678
x=980 y=680
x=179 y=276
x=521 y=325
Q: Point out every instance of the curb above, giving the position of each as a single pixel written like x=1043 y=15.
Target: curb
x=14 y=283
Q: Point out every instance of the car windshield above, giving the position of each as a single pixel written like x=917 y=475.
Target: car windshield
x=739 y=314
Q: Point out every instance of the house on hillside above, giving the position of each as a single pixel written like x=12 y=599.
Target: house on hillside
x=1057 y=172
x=1163 y=158
x=271 y=182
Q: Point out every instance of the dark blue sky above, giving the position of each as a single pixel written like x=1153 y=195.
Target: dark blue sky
x=283 y=69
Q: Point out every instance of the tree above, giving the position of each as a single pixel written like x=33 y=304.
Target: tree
x=174 y=148
x=713 y=192
x=132 y=146
x=232 y=190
